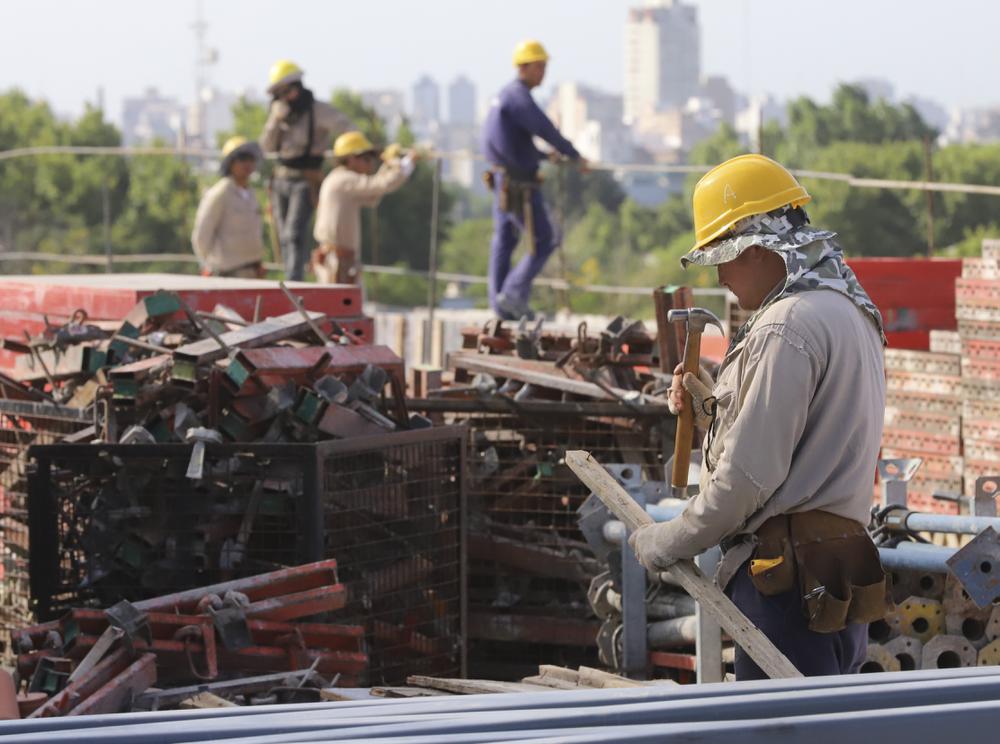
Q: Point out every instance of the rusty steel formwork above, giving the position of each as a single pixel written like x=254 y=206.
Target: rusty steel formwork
x=22 y=423
x=125 y=521
x=529 y=565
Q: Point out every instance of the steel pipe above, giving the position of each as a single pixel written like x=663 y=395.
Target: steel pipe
x=678 y=631
x=545 y=711
x=931 y=558
x=948 y=523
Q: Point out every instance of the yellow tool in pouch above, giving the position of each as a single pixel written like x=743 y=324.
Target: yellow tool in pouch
x=759 y=566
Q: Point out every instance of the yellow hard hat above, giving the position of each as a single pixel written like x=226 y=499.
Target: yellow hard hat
x=352 y=143
x=233 y=148
x=283 y=72
x=741 y=187
x=529 y=51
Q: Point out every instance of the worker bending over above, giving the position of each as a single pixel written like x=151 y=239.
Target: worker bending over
x=794 y=424
x=226 y=236
x=514 y=119
x=298 y=129
x=357 y=181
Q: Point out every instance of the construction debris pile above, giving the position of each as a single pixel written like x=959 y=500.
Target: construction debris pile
x=208 y=445
x=242 y=637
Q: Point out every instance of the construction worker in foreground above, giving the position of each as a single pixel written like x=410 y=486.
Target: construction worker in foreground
x=298 y=130
x=513 y=121
x=357 y=181
x=793 y=422
x=226 y=236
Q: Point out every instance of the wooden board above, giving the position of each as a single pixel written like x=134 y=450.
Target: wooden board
x=684 y=572
x=473 y=686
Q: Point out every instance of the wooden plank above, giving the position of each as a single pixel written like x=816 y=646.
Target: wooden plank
x=472 y=686
x=205 y=700
x=259 y=334
x=494 y=366
x=396 y=692
x=549 y=681
x=684 y=572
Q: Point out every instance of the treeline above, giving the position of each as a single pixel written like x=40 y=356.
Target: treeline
x=145 y=204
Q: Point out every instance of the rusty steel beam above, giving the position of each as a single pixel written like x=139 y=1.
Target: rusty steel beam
x=118 y=692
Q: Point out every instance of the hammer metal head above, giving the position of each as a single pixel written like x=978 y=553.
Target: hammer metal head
x=696 y=318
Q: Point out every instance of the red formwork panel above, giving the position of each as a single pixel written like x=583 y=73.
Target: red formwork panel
x=111 y=296
x=915 y=295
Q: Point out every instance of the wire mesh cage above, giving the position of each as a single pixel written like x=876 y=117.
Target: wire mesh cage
x=392 y=516
x=125 y=521
x=112 y=522
x=22 y=424
x=529 y=565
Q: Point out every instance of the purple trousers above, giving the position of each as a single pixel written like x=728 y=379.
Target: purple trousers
x=515 y=282
x=781 y=619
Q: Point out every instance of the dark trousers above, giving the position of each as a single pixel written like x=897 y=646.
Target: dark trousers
x=781 y=619
x=293 y=209
x=507 y=228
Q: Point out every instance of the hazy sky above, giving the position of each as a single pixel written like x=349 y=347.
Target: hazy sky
x=64 y=50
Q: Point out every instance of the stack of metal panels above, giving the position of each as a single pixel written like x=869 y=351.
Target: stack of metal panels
x=914 y=707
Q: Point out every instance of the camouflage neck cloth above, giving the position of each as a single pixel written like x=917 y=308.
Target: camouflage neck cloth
x=813 y=260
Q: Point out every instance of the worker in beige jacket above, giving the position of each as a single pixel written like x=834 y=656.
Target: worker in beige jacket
x=298 y=130
x=227 y=237
x=793 y=422
x=353 y=184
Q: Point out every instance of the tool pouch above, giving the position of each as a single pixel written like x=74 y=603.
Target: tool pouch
x=772 y=567
x=840 y=575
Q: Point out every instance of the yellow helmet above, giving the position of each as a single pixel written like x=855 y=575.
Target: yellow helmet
x=283 y=72
x=352 y=143
x=529 y=51
x=738 y=188
x=233 y=148
x=232 y=143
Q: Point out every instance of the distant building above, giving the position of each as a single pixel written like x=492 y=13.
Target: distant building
x=932 y=112
x=662 y=57
x=759 y=110
x=389 y=105
x=717 y=90
x=592 y=121
x=462 y=102
x=216 y=116
x=426 y=108
x=150 y=117
x=979 y=125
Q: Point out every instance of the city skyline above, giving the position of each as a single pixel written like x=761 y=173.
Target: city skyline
x=759 y=49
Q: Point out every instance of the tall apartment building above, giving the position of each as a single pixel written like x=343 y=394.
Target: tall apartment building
x=662 y=57
x=462 y=102
x=426 y=104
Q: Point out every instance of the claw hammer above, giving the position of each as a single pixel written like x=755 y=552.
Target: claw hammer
x=695 y=320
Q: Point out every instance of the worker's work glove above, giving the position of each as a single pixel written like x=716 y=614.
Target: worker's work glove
x=392 y=152
x=648 y=544
x=700 y=388
x=280 y=109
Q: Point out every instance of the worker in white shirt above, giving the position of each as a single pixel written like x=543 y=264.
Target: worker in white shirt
x=227 y=227
x=357 y=181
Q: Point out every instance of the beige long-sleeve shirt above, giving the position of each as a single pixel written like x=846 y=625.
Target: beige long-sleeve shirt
x=344 y=193
x=288 y=135
x=227 y=227
x=798 y=427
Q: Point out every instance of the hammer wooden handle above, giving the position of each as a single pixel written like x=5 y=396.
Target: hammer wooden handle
x=757 y=645
x=685 y=421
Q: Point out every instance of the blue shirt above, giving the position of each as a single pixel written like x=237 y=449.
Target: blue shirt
x=513 y=119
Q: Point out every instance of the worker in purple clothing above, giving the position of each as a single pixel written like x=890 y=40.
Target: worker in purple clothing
x=513 y=121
